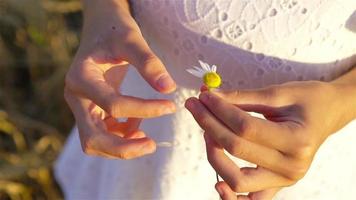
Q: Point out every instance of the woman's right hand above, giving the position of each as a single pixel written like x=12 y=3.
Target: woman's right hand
x=110 y=41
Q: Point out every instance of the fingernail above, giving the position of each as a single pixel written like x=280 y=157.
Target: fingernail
x=189 y=104
x=220 y=191
x=165 y=82
x=203 y=88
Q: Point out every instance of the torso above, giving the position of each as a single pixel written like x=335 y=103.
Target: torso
x=254 y=43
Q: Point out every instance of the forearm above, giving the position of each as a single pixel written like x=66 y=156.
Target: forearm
x=346 y=87
x=100 y=18
x=348 y=78
x=107 y=15
x=90 y=5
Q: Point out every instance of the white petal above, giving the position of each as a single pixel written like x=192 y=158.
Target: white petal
x=208 y=66
x=213 y=68
x=204 y=65
x=121 y=119
x=195 y=73
x=199 y=69
x=164 y=144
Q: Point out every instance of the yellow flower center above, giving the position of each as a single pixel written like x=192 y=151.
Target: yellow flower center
x=212 y=80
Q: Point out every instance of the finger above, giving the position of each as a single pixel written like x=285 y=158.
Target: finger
x=264 y=194
x=128 y=130
x=270 y=96
x=135 y=134
x=115 y=75
x=235 y=145
x=228 y=193
x=225 y=167
x=225 y=192
x=122 y=129
x=133 y=107
x=91 y=84
x=264 y=132
x=138 y=53
x=260 y=179
x=117 y=147
x=204 y=88
x=94 y=139
x=244 y=179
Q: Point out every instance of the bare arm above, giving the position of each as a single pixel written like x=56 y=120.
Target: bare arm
x=346 y=85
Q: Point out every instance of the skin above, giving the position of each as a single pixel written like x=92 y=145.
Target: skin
x=299 y=118
x=111 y=40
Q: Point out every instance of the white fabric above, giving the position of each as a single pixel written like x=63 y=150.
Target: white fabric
x=254 y=43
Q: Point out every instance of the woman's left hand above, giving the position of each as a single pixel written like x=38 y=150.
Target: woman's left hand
x=299 y=117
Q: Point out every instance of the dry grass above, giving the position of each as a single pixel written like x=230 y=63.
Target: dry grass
x=37 y=41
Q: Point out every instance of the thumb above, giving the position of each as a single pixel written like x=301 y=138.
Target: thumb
x=151 y=68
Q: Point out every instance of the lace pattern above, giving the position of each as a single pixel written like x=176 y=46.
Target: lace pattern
x=257 y=43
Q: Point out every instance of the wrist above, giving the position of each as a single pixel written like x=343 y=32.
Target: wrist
x=100 y=17
x=345 y=89
x=97 y=10
x=94 y=5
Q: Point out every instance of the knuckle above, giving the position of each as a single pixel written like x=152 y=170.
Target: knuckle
x=304 y=152
x=289 y=182
x=303 y=147
x=271 y=91
x=245 y=128
x=203 y=120
x=237 y=185
x=87 y=146
x=296 y=171
x=274 y=94
x=233 y=146
x=301 y=154
x=113 y=108
x=148 y=58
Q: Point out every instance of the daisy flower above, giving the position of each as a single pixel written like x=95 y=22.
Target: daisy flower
x=207 y=73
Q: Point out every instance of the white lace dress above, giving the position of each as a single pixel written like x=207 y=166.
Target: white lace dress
x=254 y=43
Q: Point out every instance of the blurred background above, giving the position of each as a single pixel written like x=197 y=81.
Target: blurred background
x=37 y=40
